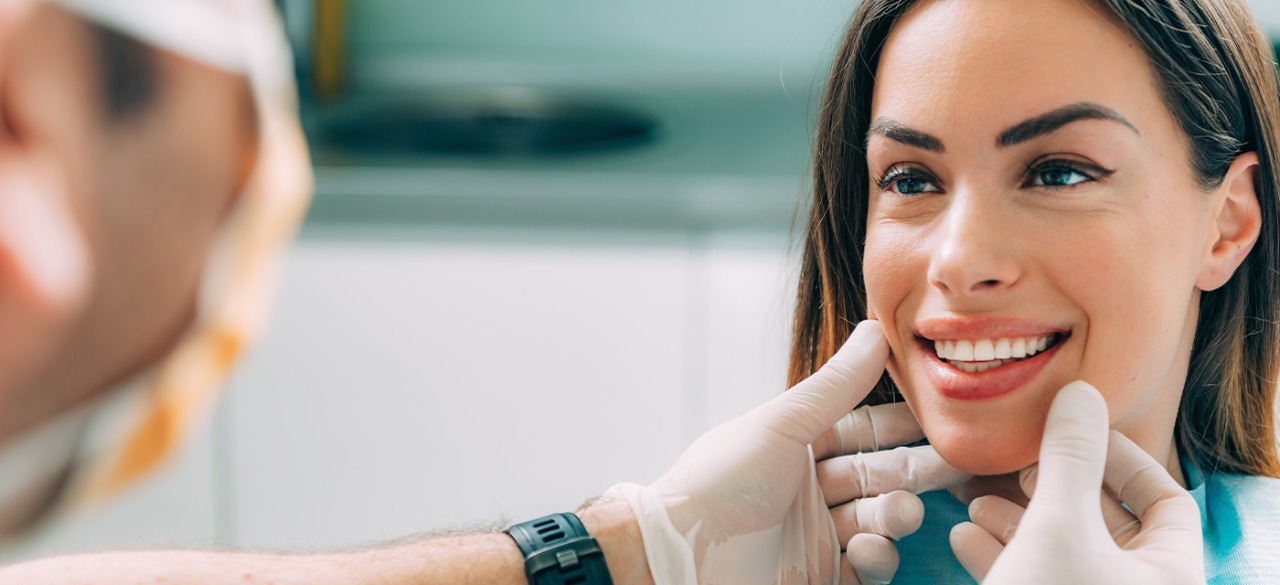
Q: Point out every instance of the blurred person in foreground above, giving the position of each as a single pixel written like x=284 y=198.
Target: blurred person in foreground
x=152 y=173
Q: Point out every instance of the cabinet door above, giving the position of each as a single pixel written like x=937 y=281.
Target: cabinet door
x=411 y=386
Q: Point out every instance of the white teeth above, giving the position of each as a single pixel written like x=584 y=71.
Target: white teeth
x=984 y=350
x=980 y=355
x=1004 y=349
x=1019 y=349
x=976 y=367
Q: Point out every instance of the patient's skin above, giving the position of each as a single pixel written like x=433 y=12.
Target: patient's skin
x=1095 y=232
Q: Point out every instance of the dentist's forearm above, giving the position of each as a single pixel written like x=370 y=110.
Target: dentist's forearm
x=482 y=558
x=472 y=559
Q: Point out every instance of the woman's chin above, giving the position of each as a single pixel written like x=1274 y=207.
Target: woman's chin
x=986 y=454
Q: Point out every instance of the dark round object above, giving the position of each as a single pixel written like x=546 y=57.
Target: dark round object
x=492 y=125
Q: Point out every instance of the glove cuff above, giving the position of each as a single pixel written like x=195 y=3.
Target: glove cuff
x=669 y=554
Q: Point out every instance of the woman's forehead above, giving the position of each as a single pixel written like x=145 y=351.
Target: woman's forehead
x=977 y=67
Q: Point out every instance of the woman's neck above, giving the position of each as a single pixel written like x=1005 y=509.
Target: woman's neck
x=1008 y=486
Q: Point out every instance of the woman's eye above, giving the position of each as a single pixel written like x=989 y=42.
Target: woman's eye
x=1057 y=176
x=908 y=183
x=913 y=186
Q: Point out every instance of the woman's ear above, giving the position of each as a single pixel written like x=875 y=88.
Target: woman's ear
x=1236 y=223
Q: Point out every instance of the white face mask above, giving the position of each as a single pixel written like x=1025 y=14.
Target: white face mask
x=245 y=37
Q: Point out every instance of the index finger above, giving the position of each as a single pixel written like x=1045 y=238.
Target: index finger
x=914 y=469
x=869 y=428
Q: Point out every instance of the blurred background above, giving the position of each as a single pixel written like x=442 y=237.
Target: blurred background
x=552 y=243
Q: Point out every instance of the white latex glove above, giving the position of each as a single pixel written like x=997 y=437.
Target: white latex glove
x=872 y=492
x=1063 y=536
x=743 y=505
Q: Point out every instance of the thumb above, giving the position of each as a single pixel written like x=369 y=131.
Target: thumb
x=819 y=401
x=1073 y=453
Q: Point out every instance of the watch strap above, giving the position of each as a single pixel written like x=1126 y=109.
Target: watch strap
x=558 y=551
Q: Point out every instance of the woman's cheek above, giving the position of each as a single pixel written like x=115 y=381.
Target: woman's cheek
x=889 y=275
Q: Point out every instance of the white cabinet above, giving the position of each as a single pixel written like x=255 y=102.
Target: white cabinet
x=470 y=378
x=745 y=310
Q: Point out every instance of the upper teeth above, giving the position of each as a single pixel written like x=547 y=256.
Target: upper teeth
x=982 y=350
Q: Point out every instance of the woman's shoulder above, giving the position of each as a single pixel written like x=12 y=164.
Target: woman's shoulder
x=1246 y=485
x=1256 y=495
x=1241 y=515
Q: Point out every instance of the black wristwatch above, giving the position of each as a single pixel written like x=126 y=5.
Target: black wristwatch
x=558 y=551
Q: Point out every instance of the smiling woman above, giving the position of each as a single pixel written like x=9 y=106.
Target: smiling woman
x=1030 y=193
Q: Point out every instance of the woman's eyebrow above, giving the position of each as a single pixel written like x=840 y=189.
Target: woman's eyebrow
x=1018 y=133
x=1049 y=122
x=906 y=135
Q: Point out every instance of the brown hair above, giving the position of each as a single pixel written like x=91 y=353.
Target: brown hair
x=1218 y=78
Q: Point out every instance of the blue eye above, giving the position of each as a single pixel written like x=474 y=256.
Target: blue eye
x=912 y=186
x=907 y=181
x=1057 y=175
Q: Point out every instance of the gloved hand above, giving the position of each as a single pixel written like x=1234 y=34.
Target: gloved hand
x=872 y=492
x=743 y=505
x=1063 y=536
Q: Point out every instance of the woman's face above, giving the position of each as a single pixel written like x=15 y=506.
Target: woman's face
x=1033 y=220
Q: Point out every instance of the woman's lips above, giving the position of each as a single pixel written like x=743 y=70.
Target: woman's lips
x=990 y=383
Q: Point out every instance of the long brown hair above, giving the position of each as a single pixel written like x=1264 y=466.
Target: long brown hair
x=1218 y=78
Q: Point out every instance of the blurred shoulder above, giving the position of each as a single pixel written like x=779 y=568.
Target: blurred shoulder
x=1241 y=515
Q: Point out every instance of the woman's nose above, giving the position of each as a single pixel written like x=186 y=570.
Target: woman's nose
x=976 y=252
